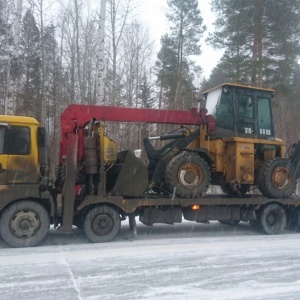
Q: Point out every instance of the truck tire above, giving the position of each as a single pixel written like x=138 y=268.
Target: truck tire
x=24 y=224
x=101 y=224
x=273 y=219
x=189 y=174
x=276 y=178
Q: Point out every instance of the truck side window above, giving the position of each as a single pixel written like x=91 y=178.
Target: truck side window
x=17 y=141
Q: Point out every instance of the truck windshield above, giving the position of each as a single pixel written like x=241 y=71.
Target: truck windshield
x=14 y=140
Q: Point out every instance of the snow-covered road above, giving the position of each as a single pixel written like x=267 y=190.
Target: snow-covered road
x=186 y=261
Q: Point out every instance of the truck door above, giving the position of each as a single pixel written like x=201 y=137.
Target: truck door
x=3 y=156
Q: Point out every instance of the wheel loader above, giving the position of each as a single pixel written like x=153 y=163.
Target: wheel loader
x=230 y=142
x=240 y=152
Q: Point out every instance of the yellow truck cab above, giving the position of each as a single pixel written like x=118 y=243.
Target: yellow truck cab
x=23 y=160
x=18 y=151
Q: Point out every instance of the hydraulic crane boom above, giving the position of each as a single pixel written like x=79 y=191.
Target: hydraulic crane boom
x=76 y=117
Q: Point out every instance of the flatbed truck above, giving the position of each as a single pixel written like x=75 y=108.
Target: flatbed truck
x=96 y=187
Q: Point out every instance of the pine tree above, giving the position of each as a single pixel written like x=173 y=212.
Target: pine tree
x=145 y=94
x=186 y=32
x=260 y=38
x=31 y=73
x=166 y=69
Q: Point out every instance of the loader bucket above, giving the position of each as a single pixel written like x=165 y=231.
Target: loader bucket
x=129 y=176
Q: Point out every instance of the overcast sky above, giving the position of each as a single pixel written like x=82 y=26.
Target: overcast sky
x=153 y=13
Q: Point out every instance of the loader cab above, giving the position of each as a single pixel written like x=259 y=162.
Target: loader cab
x=241 y=110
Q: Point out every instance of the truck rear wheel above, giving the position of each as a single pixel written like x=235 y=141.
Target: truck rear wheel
x=101 y=224
x=24 y=224
x=189 y=174
x=273 y=219
x=276 y=178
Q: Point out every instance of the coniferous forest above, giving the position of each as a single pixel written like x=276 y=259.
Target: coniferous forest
x=50 y=57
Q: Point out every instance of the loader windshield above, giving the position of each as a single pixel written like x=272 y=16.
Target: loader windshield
x=219 y=105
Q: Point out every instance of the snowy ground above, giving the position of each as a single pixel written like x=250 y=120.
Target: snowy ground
x=186 y=261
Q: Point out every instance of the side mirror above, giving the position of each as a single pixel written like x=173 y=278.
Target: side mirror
x=42 y=146
x=42 y=137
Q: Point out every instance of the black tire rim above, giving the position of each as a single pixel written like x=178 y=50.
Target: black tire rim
x=102 y=224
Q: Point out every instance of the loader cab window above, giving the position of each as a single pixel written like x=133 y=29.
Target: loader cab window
x=264 y=118
x=246 y=114
x=223 y=108
x=246 y=107
x=14 y=140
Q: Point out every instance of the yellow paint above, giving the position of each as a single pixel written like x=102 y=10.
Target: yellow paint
x=21 y=168
x=234 y=157
x=108 y=147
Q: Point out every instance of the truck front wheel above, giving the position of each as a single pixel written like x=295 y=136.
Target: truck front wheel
x=101 y=224
x=24 y=224
x=273 y=219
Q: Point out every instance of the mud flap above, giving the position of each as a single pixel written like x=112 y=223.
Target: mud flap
x=129 y=176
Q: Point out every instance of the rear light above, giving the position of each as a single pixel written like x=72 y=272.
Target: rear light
x=196 y=207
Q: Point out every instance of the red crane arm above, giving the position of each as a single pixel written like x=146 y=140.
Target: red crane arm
x=75 y=117
x=79 y=115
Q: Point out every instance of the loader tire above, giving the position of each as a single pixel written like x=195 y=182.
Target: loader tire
x=24 y=224
x=276 y=178
x=101 y=224
x=189 y=174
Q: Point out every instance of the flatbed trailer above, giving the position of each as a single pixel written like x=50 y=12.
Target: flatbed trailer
x=271 y=216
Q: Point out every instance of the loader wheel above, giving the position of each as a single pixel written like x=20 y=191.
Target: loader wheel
x=189 y=174
x=276 y=178
x=24 y=224
x=101 y=224
x=273 y=219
